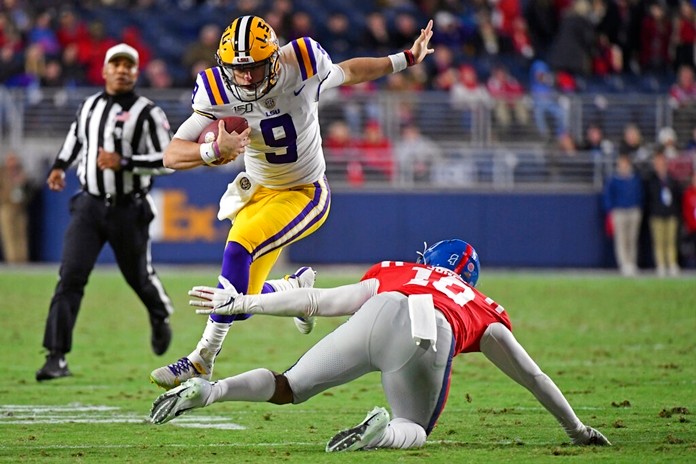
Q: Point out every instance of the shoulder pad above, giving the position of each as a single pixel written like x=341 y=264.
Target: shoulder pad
x=308 y=53
x=210 y=88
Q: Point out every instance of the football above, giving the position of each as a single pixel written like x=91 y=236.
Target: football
x=210 y=132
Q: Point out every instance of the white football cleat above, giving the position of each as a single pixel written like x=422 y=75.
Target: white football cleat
x=304 y=277
x=190 y=395
x=175 y=374
x=364 y=435
x=305 y=324
x=593 y=437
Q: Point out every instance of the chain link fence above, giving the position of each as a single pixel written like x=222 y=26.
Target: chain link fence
x=420 y=140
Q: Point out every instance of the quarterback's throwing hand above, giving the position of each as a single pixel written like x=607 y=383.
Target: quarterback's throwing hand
x=215 y=300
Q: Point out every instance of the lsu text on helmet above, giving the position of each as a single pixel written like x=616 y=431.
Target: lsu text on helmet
x=455 y=255
x=250 y=45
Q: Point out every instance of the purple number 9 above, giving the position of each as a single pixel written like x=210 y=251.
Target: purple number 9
x=279 y=132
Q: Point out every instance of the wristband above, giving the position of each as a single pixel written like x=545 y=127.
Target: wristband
x=216 y=149
x=399 y=62
x=208 y=153
x=410 y=59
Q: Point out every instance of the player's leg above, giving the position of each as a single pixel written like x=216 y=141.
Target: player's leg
x=318 y=369
x=83 y=240
x=415 y=380
x=501 y=347
x=200 y=362
x=257 y=237
x=131 y=246
x=341 y=356
x=296 y=213
x=417 y=390
x=257 y=385
x=237 y=264
x=303 y=277
x=271 y=220
x=338 y=358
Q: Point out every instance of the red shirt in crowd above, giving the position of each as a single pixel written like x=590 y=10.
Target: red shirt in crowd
x=689 y=208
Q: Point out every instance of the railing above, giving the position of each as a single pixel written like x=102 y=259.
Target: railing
x=470 y=148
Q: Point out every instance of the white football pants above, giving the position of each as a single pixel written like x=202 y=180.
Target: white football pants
x=415 y=378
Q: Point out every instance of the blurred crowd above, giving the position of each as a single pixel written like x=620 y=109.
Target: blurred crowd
x=518 y=59
x=60 y=43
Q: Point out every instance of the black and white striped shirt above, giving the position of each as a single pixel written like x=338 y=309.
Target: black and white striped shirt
x=128 y=124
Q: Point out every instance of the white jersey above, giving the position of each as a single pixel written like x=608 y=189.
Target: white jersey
x=285 y=149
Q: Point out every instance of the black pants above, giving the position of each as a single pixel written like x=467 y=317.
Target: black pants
x=94 y=222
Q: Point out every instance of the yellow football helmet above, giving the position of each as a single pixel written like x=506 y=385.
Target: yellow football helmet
x=248 y=44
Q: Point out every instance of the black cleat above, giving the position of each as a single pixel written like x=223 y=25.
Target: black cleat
x=55 y=367
x=161 y=336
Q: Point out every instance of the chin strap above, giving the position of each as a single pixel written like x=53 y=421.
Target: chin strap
x=421 y=254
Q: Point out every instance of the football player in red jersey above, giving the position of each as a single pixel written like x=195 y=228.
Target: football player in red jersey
x=408 y=321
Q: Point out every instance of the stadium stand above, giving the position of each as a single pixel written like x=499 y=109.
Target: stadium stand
x=35 y=111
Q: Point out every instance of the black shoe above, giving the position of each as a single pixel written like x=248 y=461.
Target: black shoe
x=161 y=336
x=55 y=367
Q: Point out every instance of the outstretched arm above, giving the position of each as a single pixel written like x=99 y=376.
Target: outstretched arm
x=502 y=349
x=359 y=70
x=301 y=302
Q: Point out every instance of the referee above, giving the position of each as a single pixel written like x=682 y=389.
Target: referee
x=117 y=140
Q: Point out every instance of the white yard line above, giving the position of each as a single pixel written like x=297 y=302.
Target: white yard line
x=27 y=414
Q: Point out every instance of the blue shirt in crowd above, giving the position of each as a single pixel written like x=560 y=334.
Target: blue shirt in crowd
x=623 y=192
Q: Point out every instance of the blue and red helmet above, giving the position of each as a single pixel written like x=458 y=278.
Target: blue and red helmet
x=455 y=255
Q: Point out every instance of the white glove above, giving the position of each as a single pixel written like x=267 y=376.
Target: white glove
x=215 y=300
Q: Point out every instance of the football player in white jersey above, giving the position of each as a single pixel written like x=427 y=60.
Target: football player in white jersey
x=283 y=195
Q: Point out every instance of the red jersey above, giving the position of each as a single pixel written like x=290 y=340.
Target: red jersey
x=468 y=311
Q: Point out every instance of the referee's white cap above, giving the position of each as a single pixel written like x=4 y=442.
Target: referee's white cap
x=122 y=50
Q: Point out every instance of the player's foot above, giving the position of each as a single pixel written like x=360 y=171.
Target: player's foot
x=55 y=367
x=305 y=324
x=592 y=437
x=304 y=277
x=161 y=336
x=190 y=395
x=362 y=436
x=177 y=373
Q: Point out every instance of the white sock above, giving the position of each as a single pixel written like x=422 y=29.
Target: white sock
x=401 y=434
x=211 y=341
x=257 y=385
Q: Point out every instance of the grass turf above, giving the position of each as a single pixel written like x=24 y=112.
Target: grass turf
x=621 y=350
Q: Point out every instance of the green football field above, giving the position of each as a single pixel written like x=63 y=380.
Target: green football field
x=623 y=351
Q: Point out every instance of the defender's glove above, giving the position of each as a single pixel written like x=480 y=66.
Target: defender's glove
x=215 y=300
